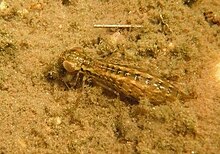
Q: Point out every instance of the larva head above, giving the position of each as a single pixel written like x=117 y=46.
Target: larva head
x=72 y=60
x=71 y=67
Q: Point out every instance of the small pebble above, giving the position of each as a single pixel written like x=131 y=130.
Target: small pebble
x=3 y=5
x=58 y=120
x=218 y=72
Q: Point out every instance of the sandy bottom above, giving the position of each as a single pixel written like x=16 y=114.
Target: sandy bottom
x=179 y=42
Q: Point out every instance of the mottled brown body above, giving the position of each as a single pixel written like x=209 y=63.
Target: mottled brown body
x=132 y=82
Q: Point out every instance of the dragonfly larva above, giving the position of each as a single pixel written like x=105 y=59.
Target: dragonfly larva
x=132 y=82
